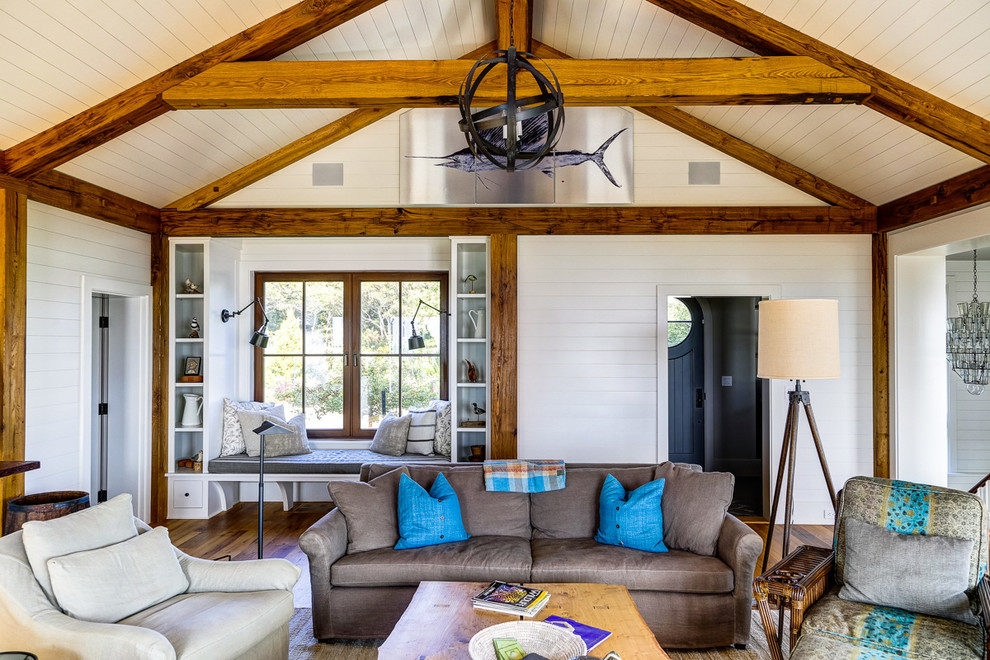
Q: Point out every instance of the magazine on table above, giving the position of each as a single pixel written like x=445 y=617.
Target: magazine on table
x=511 y=599
x=592 y=636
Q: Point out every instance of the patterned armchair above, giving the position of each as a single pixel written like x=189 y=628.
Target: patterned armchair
x=835 y=627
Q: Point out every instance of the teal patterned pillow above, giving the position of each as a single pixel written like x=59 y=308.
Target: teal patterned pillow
x=428 y=518
x=631 y=519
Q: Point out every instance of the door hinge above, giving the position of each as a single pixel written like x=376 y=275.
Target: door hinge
x=104 y=321
x=103 y=409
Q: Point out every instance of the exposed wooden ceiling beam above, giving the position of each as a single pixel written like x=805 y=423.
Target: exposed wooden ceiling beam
x=519 y=15
x=894 y=97
x=956 y=194
x=273 y=162
x=291 y=153
x=142 y=103
x=528 y=220
x=742 y=151
x=413 y=83
x=72 y=194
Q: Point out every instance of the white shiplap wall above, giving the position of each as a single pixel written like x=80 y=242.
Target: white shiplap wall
x=372 y=167
x=969 y=416
x=62 y=248
x=588 y=343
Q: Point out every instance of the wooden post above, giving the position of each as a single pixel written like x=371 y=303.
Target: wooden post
x=881 y=360
x=13 y=332
x=504 y=345
x=159 y=377
x=521 y=14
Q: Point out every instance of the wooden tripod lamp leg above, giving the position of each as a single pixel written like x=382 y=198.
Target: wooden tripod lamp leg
x=784 y=451
x=818 y=447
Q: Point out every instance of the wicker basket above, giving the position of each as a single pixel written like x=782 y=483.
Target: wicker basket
x=546 y=639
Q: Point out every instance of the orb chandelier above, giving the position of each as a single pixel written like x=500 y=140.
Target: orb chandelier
x=967 y=339
x=497 y=134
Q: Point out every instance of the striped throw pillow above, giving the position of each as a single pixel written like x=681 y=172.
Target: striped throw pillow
x=421 y=432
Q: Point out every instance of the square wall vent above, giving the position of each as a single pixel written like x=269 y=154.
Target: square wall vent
x=704 y=174
x=330 y=174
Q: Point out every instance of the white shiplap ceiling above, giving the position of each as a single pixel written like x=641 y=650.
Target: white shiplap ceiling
x=58 y=57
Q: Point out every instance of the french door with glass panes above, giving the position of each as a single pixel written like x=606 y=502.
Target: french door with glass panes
x=338 y=347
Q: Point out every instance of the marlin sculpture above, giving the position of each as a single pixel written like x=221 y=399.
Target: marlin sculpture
x=533 y=131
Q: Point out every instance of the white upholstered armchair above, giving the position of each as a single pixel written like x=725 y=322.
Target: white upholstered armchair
x=225 y=610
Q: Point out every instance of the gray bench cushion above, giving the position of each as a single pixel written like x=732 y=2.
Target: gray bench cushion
x=320 y=461
x=585 y=560
x=479 y=559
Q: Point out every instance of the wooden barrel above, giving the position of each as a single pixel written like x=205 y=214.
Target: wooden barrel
x=43 y=506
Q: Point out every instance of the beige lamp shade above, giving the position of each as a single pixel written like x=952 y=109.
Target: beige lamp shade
x=798 y=339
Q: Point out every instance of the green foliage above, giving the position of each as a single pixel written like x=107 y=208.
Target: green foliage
x=317 y=347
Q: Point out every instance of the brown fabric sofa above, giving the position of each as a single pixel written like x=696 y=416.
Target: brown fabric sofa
x=689 y=600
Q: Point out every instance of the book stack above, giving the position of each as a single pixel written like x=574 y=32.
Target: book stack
x=511 y=599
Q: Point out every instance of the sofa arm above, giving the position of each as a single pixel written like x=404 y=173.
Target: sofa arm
x=51 y=634
x=324 y=543
x=231 y=576
x=739 y=547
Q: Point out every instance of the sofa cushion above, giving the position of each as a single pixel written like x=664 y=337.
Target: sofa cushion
x=837 y=628
x=107 y=584
x=924 y=574
x=584 y=560
x=572 y=512
x=370 y=510
x=910 y=508
x=694 y=506
x=97 y=527
x=484 y=513
x=479 y=559
x=631 y=519
x=237 y=622
x=428 y=518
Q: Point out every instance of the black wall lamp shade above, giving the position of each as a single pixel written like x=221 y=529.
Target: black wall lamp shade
x=416 y=341
x=260 y=336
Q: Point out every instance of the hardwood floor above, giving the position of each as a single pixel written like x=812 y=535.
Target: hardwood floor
x=235 y=533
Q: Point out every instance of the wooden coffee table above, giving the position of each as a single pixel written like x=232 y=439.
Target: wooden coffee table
x=440 y=620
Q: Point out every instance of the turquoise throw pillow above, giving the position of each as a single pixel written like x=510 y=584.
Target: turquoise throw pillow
x=631 y=519
x=428 y=518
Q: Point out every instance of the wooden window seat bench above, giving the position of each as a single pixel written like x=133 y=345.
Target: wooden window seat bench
x=226 y=473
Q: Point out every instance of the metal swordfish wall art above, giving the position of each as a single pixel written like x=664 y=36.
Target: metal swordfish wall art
x=592 y=164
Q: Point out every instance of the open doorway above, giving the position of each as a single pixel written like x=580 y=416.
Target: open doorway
x=116 y=401
x=717 y=407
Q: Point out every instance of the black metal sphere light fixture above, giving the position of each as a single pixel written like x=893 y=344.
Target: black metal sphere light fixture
x=497 y=134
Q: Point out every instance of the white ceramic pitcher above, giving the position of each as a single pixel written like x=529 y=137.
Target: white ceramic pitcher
x=192 y=410
x=477 y=317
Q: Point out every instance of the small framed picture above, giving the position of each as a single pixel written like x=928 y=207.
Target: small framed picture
x=192 y=365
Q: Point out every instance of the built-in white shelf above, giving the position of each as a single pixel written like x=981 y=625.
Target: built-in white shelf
x=472 y=429
x=189 y=340
x=472 y=384
x=188 y=295
x=471 y=340
x=189 y=429
x=471 y=295
x=189 y=384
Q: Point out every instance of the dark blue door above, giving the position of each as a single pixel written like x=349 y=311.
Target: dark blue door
x=685 y=382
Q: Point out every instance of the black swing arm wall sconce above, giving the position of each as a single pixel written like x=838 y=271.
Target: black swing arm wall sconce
x=416 y=340
x=260 y=336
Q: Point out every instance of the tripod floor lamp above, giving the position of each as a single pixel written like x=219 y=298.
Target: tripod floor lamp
x=798 y=340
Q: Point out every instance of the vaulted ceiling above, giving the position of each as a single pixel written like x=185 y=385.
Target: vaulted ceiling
x=60 y=57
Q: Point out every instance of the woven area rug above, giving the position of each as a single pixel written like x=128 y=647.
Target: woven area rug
x=302 y=646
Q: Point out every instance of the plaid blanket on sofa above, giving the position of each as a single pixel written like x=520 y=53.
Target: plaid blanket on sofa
x=524 y=476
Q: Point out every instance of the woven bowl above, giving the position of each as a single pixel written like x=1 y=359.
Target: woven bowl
x=548 y=640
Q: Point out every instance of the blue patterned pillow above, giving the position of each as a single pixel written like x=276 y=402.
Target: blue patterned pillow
x=428 y=518
x=631 y=519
